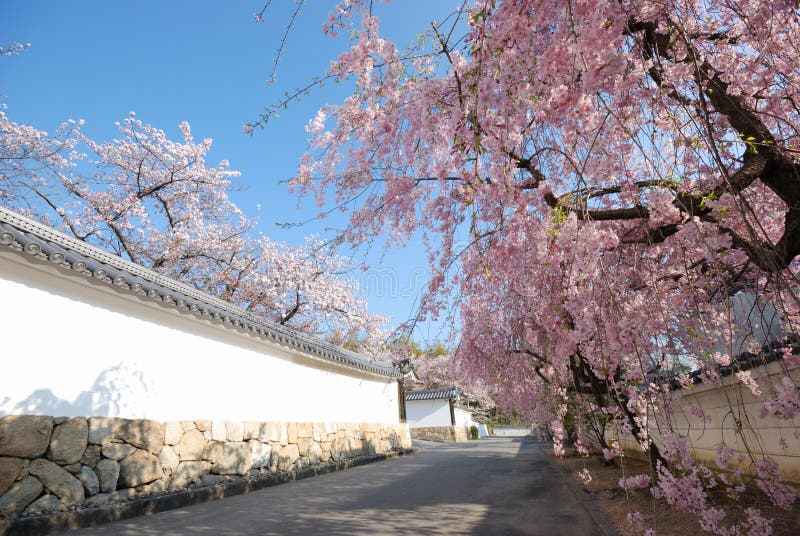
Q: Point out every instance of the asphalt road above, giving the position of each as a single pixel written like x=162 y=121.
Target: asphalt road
x=491 y=486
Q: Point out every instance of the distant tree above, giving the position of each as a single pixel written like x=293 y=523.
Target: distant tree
x=156 y=202
x=436 y=368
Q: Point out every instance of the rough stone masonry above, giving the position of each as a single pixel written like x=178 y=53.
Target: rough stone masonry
x=49 y=464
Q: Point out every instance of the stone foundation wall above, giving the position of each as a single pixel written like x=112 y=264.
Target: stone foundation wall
x=455 y=434
x=49 y=464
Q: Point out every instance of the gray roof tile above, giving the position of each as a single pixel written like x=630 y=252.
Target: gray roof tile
x=432 y=394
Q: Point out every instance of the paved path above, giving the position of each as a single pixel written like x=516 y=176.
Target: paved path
x=491 y=486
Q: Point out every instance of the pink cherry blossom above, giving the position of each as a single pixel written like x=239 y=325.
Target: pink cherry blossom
x=600 y=184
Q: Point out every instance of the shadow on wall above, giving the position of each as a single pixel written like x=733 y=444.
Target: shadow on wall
x=115 y=393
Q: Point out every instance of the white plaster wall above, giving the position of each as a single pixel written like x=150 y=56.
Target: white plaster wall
x=511 y=431
x=722 y=407
x=463 y=417
x=72 y=346
x=422 y=413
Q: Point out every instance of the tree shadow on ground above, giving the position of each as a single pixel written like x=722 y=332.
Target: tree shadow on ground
x=497 y=486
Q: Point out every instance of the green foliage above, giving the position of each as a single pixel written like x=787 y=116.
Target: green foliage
x=473 y=432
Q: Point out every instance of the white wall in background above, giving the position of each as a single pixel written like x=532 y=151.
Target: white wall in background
x=463 y=417
x=423 y=413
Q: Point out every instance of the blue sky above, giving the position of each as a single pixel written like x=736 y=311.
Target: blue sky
x=207 y=63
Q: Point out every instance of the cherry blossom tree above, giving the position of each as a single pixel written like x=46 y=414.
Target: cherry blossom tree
x=436 y=368
x=158 y=203
x=625 y=172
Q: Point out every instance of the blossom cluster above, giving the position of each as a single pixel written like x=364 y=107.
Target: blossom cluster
x=159 y=203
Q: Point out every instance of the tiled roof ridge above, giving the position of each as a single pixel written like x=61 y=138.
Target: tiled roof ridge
x=744 y=361
x=432 y=394
x=43 y=242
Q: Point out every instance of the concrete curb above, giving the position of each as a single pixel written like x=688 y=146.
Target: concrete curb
x=90 y=517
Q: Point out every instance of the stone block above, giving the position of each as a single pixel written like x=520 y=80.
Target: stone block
x=203 y=425
x=20 y=495
x=172 y=432
x=213 y=451
x=60 y=482
x=234 y=431
x=44 y=504
x=168 y=459
x=318 y=432
x=287 y=456
x=191 y=445
x=252 y=430
x=188 y=426
x=91 y=455
x=355 y=446
x=144 y=434
x=96 y=501
x=218 y=431
x=69 y=441
x=108 y=473
x=10 y=469
x=117 y=451
x=304 y=444
x=284 y=431
x=157 y=486
x=236 y=459
x=268 y=431
x=187 y=472
x=89 y=480
x=305 y=430
x=25 y=436
x=73 y=467
x=104 y=430
x=315 y=454
x=340 y=446
x=110 y=498
x=260 y=453
x=139 y=468
x=273 y=459
x=291 y=432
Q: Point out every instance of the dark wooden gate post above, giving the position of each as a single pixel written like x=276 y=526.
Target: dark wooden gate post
x=401 y=400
